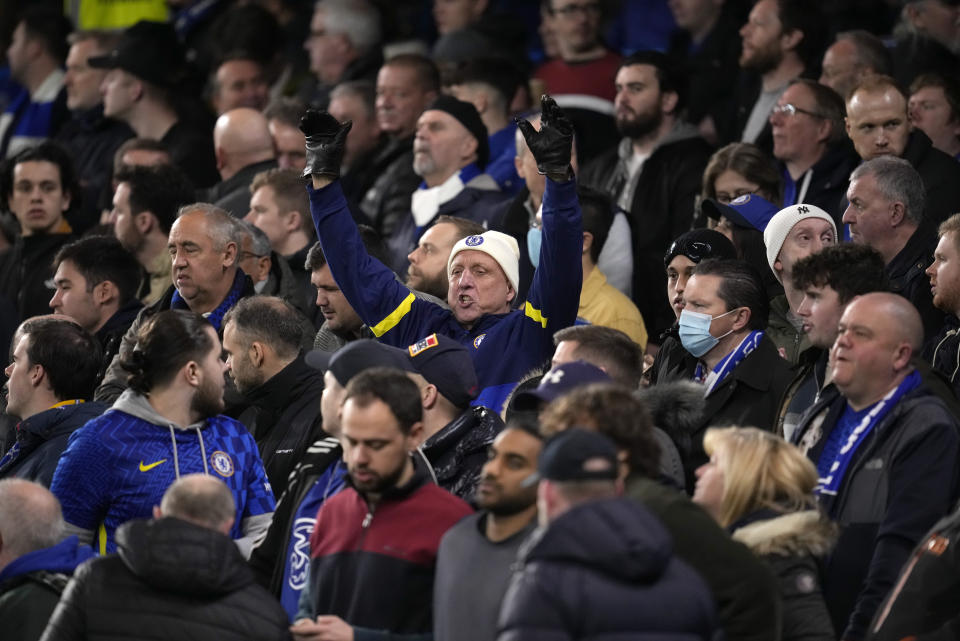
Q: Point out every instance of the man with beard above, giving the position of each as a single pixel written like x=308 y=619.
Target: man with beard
x=475 y=557
x=374 y=547
x=781 y=42
x=428 y=262
x=943 y=351
x=167 y=424
x=654 y=174
x=262 y=337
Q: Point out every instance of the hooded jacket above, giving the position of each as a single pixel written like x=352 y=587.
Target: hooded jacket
x=604 y=570
x=118 y=466
x=41 y=440
x=793 y=545
x=30 y=587
x=170 y=580
x=458 y=451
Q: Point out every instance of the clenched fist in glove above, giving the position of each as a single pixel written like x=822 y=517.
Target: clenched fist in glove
x=552 y=145
x=326 y=139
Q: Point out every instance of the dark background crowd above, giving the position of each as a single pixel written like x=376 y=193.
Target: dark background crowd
x=480 y=319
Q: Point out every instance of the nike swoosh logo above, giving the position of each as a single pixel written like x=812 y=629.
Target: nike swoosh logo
x=147 y=468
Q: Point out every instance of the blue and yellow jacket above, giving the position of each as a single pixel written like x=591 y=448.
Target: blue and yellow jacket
x=504 y=346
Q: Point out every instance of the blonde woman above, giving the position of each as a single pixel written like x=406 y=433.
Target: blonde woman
x=760 y=488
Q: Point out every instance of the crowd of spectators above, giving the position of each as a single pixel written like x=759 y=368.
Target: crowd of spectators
x=477 y=320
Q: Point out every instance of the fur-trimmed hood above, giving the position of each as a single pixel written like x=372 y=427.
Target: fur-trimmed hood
x=807 y=532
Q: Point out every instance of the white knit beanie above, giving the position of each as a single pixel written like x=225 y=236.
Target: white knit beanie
x=501 y=247
x=782 y=222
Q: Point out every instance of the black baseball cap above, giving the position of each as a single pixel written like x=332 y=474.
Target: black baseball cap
x=576 y=454
x=700 y=244
x=445 y=363
x=357 y=356
x=150 y=51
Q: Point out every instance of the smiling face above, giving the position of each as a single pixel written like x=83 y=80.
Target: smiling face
x=944 y=274
x=478 y=286
x=511 y=459
x=877 y=123
x=37 y=199
x=820 y=311
x=678 y=273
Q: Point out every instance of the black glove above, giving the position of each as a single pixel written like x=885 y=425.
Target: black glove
x=551 y=146
x=326 y=139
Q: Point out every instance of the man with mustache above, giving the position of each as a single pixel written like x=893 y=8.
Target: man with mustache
x=473 y=564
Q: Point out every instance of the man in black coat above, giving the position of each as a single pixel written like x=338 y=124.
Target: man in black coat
x=51 y=377
x=653 y=174
x=177 y=576
x=722 y=325
x=262 y=337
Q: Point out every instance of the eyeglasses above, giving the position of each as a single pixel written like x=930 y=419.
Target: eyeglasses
x=587 y=9
x=247 y=255
x=791 y=109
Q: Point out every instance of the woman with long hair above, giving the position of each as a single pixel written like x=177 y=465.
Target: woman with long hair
x=760 y=488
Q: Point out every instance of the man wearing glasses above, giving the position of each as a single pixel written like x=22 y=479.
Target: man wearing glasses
x=584 y=66
x=809 y=141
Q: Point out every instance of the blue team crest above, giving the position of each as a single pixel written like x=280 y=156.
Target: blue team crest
x=222 y=463
x=478 y=340
x=741 y=200
x=473 y=241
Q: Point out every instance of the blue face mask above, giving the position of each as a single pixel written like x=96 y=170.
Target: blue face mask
x=695 y=333
x=534 y=236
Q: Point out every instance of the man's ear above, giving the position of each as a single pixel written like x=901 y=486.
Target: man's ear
x=898 y=213
x=742 y=319
x=192 y=373
x=792 y=39
x=415 y=436
x=143 y=222
x=105 y=292
x=587 y=242
x=668 y=102
x=37 y=374
x=293 y=221
x=229 y=255
x=428 y=396
x=257 y=353
x=902 y=356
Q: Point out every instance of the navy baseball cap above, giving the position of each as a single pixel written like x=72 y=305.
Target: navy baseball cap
x=445 y=363
x=558 y=381
x=357 y=356
x=749 y=211
x=576 y=454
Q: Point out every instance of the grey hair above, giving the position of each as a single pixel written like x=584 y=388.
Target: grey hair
x=221 y=226
x=897 y=181
x=200 y=499
x=30 y=517
x=259 y=241
x=358 y=20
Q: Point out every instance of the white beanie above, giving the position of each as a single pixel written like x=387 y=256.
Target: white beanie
x=782 y=222
x=501 y=247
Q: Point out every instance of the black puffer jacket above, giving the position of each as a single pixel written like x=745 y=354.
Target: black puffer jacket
x=793 y=545
x=940 y=174
x=458 y=451
x=388 y=200
x=605 y=570
x=170 y=580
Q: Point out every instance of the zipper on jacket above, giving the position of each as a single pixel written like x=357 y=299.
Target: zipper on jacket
x=365 y=525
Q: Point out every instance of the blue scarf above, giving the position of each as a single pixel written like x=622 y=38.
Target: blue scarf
x=830 y=484
x=723 y=369
x=216 y=316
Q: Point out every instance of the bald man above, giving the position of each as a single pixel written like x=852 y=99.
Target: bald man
x=35 y=558
x=887 y=453
x=244 y=147
x=109 y=595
